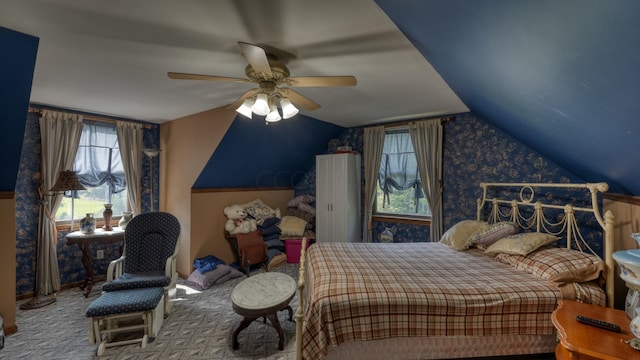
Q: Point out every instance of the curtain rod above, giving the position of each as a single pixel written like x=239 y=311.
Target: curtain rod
x=85 y=116
x=443 y=119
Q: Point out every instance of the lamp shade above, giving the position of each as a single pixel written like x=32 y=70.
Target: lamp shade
x=67 y=180
x=288 y=110
x=151 y=152
x=273 y=115
x=245 y=108
x=261 y=106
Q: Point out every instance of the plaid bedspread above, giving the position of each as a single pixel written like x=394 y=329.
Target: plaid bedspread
x=375 y=291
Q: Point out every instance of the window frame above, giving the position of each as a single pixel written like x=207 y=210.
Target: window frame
x=65 y=224
x=381 y=216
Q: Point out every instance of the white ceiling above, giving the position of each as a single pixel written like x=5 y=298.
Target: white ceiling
x=112 y=57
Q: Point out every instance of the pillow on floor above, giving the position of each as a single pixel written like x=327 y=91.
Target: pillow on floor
x=233 y=273
x=204 y=281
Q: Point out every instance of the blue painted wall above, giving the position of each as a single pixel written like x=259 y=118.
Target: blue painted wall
x=16 y=76
x=253 y=154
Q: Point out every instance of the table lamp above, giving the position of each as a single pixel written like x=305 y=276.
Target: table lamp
x=629 y=262
x=68 y=181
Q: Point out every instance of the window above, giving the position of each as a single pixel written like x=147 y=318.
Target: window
x=99 y=168
x=399 y=190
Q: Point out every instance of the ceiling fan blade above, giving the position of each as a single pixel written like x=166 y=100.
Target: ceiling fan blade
x=316 y=81
x=183 y=76
x=236 y=104
x=256 y=57
x=300 y=100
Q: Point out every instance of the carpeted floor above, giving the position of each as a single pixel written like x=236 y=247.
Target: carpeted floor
x=200 y=326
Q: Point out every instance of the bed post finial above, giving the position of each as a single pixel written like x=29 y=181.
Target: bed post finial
x=299 y=310
x=538 y=215
x=609 y=224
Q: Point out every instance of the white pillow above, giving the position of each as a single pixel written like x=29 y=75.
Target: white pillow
x=292 y=226
x=458 y=237
x=521 y=244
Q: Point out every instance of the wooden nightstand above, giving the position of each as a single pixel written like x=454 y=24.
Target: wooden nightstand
x=580 y=341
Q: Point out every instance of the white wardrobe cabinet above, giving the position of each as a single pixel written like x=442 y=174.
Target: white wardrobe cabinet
x=338 y=198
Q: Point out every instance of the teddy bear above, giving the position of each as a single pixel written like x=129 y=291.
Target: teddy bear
x=237 y=221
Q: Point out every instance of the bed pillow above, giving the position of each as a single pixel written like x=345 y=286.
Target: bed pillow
x=204 y=281
x=301 y=199
x=292 y=226
x=494 y=232
x=459 y=235
x=521 y=244
x=308 y=208
x=558 y=265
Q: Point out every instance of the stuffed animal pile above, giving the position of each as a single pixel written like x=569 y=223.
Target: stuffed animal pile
x=238 y=221
x=245 y=218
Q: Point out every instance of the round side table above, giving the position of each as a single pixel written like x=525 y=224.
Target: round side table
x=263 y=295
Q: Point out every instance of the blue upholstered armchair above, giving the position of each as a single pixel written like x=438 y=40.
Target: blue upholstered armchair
x=149 y=257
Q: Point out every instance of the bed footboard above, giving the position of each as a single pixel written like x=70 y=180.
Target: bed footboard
x=300 y=309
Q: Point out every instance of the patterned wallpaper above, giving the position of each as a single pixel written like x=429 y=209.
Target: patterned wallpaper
x=474 y=152
x=27 y=209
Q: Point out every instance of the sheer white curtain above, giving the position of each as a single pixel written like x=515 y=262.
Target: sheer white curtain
x=60 y=133
x=373 y=144
x=426 y=137
x=130 y=143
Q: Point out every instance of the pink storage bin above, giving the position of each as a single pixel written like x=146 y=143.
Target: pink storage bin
x=292 y=247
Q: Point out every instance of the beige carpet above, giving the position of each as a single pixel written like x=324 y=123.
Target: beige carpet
x=200 y=326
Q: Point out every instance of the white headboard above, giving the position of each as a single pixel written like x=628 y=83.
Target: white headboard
x=525 y=196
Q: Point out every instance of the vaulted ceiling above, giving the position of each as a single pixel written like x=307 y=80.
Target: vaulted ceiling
x=560 y=76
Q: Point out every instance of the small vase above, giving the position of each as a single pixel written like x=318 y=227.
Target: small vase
x=88 y=224
x=107 y=214
x=386 y=236
x=124 y=220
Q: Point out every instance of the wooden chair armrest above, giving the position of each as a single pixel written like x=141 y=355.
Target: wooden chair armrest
x=170 y=269
x=114 y=270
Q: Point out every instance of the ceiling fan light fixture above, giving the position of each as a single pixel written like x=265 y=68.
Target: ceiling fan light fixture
x=261 y=106
x=288 y=109
x=273 y=115
x=245 y=108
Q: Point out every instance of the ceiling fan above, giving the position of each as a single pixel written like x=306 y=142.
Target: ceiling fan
x=274 y=85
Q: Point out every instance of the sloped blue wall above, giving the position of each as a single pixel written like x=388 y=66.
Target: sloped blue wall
x=253 y=154
x=16 y=75
x=559 y=76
